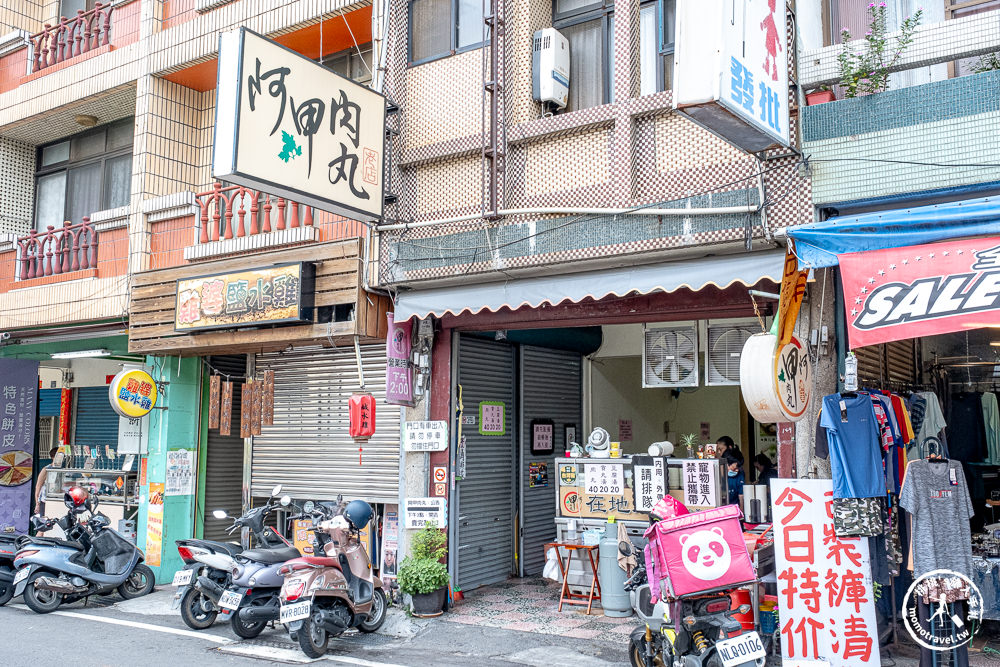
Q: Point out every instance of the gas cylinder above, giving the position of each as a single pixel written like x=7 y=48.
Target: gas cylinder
x=614 y=598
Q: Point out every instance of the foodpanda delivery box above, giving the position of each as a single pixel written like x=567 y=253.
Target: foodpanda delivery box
x=701 y=551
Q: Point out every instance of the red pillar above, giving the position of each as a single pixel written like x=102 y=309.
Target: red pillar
x=441 y=400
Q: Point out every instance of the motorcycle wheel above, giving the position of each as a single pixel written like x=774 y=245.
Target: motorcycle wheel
x=377 y=615
x=637 y=655
x=139 y=583
x=40 y=601
x=6 y=593
x=245 y=629
x=193 y=610
x=313 y=638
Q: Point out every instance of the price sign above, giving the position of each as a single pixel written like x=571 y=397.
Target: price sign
x=604 y=478
x=491 y=418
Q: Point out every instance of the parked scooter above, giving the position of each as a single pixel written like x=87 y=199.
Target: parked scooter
x=209 y=565
x=324 y=595
x=50 y=571
x=8 y=547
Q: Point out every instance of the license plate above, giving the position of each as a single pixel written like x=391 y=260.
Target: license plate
x=21 y=575
x=295 y=612
x=230 y=600
x=740 y=650
x=182 y=578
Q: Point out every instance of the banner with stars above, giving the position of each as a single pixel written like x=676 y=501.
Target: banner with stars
x=921 y=290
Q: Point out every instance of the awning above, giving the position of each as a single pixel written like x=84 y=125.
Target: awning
x=719 y=271
x=819 y=243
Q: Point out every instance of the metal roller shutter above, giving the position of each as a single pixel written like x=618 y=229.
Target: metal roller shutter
x=96 y=422
x=551 y=385
x=308 y=450
x=486 y=495
x=901 y=359
x=48 y=402
x=224 y=458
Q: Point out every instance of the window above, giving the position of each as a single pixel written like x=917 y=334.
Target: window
x=353 y=63
x=69 y=8
x=86 y=173
x=441 y=28
x=656 y=46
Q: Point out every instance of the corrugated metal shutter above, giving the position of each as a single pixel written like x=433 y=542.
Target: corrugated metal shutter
x=551 y=385
x=96 y=422
x=308 y=450
x=48 y=402
x=901 y=359
x=870 y=364
x=486 y=495
x=224 y=459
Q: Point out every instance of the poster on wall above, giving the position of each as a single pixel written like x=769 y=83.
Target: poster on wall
x=398 y=374
x=826 y=600
x=625 y=430
x=700 y=479
x=421 y=511
x=19 y=387
x=154 y=525
x=429 y=436
x=491 y=418
x=538 y=474
x=180 y=472
x=542 y=436
x=390 y=543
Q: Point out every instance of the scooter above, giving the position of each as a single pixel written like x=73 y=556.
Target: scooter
x=325 y=595
x=50 y=571
x=8 y=547
x=208 y=566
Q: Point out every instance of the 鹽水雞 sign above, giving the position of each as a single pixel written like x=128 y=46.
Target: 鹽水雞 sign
x=291 y=127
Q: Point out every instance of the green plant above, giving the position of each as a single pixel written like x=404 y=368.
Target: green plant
x=690 y=440
x=868 y=71
x=422 y=571
x=987 y=63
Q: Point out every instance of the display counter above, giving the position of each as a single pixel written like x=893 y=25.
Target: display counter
x=116 y=492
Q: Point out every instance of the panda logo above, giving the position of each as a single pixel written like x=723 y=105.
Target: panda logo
x=705 y=554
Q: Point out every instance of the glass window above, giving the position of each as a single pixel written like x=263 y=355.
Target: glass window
x=442 y=27
x=586 y=64
x=351 y=64
x=83 y=191
x=55 y=153
x=566 y=7
x=50 y=201
x=87 y=145
x=656 y=46
x=117 y=181
x=471 y=26
x=120 y=135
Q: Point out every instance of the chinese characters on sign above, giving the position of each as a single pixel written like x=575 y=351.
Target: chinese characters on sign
x=133 y=435
x=180 y=472
x=491 y=418
x=542 y=436
x=421 y=511
x=18 y=396
x=604 y=478
x=793 y=378
x=154 y=523
x=425 y=436
x=273 y=295
x=292 y=127
x=132 y=393
x=649 y=475
x=700 y=483
x=398 y=374
x=825 y=598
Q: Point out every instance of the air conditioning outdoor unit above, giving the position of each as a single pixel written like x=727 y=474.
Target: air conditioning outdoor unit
x=722 y=358
x=550 y=67
x=670 y=356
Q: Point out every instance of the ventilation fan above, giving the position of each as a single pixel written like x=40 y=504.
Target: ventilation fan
x=670 y=357
x=722 y=361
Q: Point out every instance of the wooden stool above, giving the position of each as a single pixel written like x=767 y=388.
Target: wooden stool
x=565 y=595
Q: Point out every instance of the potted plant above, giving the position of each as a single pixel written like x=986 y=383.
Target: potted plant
x=422 y=575
x=820 y=96
x=868 y=71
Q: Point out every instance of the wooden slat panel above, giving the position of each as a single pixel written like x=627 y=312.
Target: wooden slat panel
x=219 y=341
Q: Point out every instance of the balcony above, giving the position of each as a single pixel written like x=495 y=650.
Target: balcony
x=69 y=250
x=71 y=37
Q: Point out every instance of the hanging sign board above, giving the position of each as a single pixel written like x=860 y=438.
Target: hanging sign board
x=922 y=290
x=279 y=294
x=700 y=481
x=826 y=602
x=421 y=511
x=133 y=435
x=398 y=374
x=649 y=475
x=18 y=404
x=425 y=436
x=288 y=126
x=132 y=393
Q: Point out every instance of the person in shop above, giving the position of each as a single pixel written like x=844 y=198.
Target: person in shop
x=765 y=469
x=725 y=447
x=735 y=479
x=40 y=483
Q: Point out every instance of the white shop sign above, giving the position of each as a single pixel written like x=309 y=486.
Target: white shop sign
x=604 y=478
x=421 y=511
x=425 y=436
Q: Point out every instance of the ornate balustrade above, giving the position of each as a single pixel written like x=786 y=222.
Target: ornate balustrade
x=54 y=251
x=236 y=212
x=71 y=37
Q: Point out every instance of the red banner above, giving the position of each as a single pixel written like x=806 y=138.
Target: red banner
x=921 y=290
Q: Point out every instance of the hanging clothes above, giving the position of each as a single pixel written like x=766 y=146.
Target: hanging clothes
x=854 y=442
x=991 y=422
x=966 y=431
x=937 y=497
x=928 y=423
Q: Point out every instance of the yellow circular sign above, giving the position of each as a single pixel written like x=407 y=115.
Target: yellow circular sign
x=132 y=393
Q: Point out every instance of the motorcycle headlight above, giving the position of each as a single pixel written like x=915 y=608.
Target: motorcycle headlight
x=253 y=581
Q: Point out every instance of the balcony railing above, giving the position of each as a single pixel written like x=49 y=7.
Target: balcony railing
x=236 y=212
x=72 y=37
x=57 y=251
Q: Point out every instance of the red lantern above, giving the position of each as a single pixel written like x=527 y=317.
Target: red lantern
x=362 y=411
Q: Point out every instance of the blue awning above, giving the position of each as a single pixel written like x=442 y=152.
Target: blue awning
x=818 y=244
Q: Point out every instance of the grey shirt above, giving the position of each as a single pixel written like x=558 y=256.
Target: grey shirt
x=936 y=496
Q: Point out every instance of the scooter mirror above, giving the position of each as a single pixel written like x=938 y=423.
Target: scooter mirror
x=275 y=491
x=340 y=498
x=308 y=506
x=220 y=514
x=285 y=501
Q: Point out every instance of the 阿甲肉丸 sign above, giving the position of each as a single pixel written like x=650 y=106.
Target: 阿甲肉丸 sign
x=291 y=127
x=273 y=295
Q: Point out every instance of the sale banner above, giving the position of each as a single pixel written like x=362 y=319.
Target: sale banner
x=921 y=290
x=826 y=601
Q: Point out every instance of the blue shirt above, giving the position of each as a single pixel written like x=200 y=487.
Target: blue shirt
x=735 y=487
x=855 y=451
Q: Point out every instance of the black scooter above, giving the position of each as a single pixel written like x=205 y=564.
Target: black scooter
x=8 y=548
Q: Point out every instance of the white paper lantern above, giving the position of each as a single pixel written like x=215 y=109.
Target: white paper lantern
x=776 y=385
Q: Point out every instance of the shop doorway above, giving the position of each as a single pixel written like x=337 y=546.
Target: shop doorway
x=224 y=456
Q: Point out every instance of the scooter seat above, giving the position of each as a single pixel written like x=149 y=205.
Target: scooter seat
x=217 y=547
x=271 y=556
x=318 y=560
x=56 y=542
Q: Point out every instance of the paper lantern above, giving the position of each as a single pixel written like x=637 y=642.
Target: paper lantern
x=776 y=380
x=362 y=413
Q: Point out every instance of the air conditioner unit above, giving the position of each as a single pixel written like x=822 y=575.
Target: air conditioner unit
x=670 y=356
x=722 y=358
x=550 y=67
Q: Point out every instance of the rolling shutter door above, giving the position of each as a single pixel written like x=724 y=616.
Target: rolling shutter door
x=96 y=422
x=486 y=495
x=224 y=458
x=309 y=450
x=551 y=383
x=49 y=401
x=888 y=362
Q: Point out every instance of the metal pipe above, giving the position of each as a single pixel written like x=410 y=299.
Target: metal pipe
x=361 y=368
x=764 y=295
x=728 y=210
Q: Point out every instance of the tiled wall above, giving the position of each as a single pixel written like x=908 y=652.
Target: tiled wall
x=17 y=176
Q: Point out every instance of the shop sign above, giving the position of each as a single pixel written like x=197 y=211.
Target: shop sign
x=19 y=387
x=422 y=436
x=154 y=523
x=421 y=511
x=574 y=501
x=567 y=474
x=793 y=290
x=491 y=418
x=701 y=484
x=133 y=435
x=132 y=393
x=826 y=600
x=398 y=374
x=65 y=415
x=288 y=126
x=604 y=478
x=279 y=294
x=793 y=378
x=921 y=290
x=649 y=476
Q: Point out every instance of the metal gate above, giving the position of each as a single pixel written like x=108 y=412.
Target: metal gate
x=485 y=497
x=224 y=456
x=309 y=450
x=551 y=389
x=96 y=423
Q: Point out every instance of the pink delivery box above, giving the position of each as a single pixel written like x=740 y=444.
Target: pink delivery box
x=701 y=551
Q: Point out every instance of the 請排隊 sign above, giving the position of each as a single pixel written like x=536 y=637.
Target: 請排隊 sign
x=288 y=126
x=273 y=295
